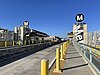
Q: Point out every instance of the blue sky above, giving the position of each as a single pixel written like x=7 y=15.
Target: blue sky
x=55 y=17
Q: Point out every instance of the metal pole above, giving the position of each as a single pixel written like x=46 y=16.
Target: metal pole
x=61 y=58
x=81 y=50
x=5 y=43
x=25 y=42
x=13 y=43
x=84 y=51
x=6 y=39
x=29 y=42
x=44 y=67
x=91 y=55
x=57 y=69
x=13 y=39
x=63 y=49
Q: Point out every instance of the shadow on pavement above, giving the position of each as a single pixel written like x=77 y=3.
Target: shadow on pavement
x=74 y=67
x=72 y=52
x=74 y=57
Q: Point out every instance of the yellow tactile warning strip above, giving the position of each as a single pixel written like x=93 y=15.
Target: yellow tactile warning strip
x=62 y=62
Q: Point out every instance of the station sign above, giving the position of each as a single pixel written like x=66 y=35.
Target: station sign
x=79 y=17
x=26 y=23
x=79 y=29
x=79 y=32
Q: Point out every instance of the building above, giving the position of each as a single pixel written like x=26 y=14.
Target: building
x=21 y=31
x=94 y=38
x=35 y=36
x=98 y=37
x=24 y=33
x=53 y=39
x=6 y=35
x=70 y=36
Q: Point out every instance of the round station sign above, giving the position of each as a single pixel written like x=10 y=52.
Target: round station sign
x=79 y=17
x=26 y=23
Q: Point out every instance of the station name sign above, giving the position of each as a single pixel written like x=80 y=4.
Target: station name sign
x=79 y=29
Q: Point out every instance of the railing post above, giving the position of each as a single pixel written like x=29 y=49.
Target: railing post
x=13 y=43
x=25 y=42
x=44 y=67
x=28 y=42
x=61 y=49
x=84 y=51
x=19 y=43
x=81 y=48
x=6 y=38
x=57 y=69
x=65 y=47
x=91 y=55
x=5 y=43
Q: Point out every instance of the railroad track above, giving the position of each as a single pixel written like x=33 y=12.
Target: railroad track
x=12 y=55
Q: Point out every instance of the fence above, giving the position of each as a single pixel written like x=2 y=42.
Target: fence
x=91 y=54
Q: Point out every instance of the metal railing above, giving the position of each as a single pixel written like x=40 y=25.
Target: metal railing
x=91 y=54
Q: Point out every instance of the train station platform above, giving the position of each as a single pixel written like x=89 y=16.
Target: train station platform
x=75 y=64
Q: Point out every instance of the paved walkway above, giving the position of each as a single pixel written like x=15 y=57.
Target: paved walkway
x=29 y=65
x=74 y=63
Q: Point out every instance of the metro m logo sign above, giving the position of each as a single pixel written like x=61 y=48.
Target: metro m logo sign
x=79 y=17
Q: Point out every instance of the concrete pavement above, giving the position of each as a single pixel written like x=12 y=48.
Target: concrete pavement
x=74 y=63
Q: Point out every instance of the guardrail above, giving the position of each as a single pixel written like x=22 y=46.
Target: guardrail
x=91 y=46
x=90 y=54
x=60 y=55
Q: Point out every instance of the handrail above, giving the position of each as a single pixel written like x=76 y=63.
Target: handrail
x=92 y=59
x=91 y=46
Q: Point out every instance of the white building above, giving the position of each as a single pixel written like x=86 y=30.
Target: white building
x=52 y=38
x=24 y=33
x=21 y=31
x=6 y=35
